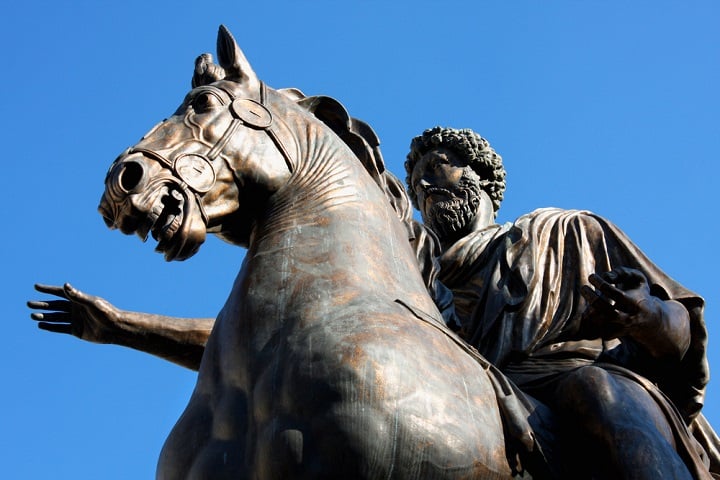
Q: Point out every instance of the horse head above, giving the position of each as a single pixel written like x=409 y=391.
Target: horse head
x=197 y=171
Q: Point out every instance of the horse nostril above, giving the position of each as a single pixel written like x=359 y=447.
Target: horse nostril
x=130 y=176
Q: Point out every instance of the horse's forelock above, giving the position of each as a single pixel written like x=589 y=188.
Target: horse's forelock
x=206 y=71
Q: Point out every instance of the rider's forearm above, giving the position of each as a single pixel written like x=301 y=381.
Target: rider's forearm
x=179 y=340
x=670 y=335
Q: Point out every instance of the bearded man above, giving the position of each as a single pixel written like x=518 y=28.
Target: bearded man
x=594 y=355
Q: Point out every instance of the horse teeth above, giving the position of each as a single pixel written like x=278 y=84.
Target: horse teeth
x=168 y=223
x=172 y=226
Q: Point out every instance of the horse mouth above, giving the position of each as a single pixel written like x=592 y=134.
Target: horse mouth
x=170 y=224
x=165 y=217
x=165 y=212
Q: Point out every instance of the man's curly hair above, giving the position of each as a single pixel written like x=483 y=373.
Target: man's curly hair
x=473 y=149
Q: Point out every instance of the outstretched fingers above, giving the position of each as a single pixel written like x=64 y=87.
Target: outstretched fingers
x=58 y=322
x=56 y=327
x=57 y=316
x=54 y=317
x=72 y=293
x=55 y=305
x=50 y=290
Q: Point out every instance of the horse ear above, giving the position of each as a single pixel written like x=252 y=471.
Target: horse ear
x=232 y=59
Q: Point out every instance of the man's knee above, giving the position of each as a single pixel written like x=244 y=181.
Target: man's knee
x=598 y=401
x=589 y=381
x=588 y=394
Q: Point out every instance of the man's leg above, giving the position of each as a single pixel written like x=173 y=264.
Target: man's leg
x=624 y=430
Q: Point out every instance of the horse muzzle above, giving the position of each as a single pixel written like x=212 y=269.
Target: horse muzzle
x=143 y=198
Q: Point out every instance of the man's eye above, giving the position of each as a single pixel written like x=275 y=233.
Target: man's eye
x=439 y=163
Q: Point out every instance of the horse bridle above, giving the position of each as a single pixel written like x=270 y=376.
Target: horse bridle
x=196 y=170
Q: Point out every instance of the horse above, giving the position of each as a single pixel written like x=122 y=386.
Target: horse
x=329 y=358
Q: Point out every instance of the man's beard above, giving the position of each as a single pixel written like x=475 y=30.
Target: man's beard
x=449 y=219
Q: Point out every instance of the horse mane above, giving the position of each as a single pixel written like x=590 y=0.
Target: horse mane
x=364 y=143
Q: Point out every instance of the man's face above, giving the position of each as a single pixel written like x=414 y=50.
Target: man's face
x=448 y=192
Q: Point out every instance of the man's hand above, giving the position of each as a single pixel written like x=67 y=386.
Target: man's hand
x=85 y=316
x=179 y=340
x=621 y=305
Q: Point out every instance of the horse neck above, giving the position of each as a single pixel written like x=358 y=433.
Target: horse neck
x=328 y=183
x=331 y=232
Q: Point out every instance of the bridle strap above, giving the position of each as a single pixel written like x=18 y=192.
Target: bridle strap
x=223 y=141
x=248 y=112
x=270 y=129
x=262 y=119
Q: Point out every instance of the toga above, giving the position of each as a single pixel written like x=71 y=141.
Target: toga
x=517 y=296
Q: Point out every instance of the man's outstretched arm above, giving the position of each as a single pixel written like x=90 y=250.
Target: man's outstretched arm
x=179 y=340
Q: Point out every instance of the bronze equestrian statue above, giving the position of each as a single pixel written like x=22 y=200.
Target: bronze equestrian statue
x=330 y=359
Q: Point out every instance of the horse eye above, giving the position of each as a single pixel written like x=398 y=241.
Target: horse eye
x=204 y=102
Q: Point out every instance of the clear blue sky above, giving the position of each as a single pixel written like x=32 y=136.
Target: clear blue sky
x=607 y=106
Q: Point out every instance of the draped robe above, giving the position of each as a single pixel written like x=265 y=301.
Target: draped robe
x=517 y=296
